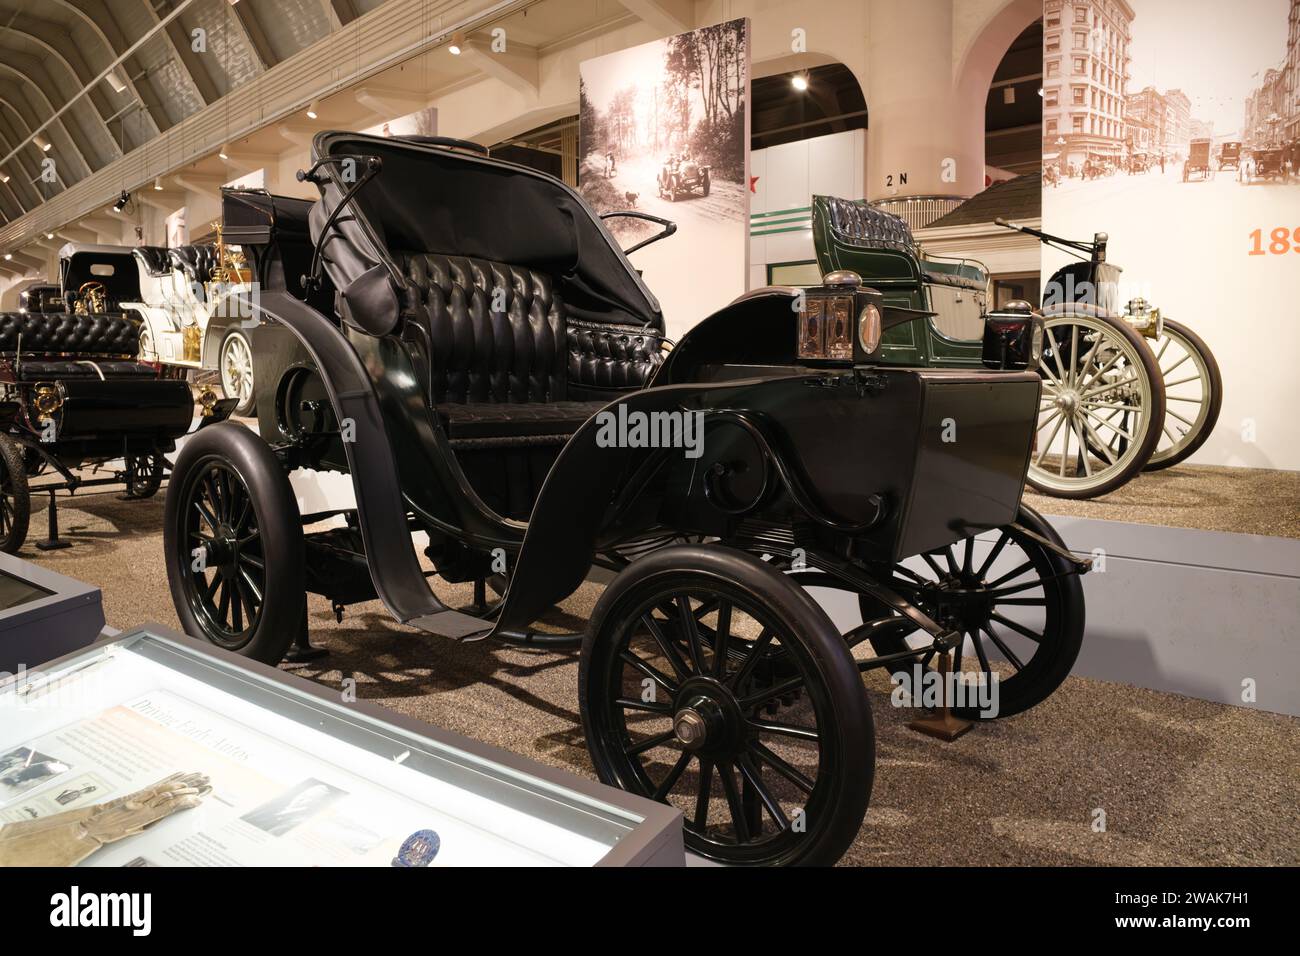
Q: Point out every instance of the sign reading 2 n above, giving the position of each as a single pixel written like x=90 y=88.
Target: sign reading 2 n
x=889 y=180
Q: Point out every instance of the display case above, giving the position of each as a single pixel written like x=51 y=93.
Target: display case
x=300 y=774
x=43 y=615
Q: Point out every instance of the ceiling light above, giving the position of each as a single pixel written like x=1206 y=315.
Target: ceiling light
x=157 y=183
x=8 y=256
x=122 y=200
x=222 y=152
x=799 y=82
x=457 y=43
x=4 y=177
x=49 y=235
x=313 y=109
x=1040 y=91
x=42 y=142
x=115 y=82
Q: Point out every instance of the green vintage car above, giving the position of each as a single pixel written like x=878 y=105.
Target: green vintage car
x=1102 y=412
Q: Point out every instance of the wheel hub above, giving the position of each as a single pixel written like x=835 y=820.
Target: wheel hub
x=707 y=718
x=223 y=551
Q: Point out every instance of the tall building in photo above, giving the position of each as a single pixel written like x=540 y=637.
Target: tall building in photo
x=1145 y=116
x=1178 y=122
x=1291 y=75
x=1085 y=80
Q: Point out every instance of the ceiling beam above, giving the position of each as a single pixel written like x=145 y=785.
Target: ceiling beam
x=24 y=76
x=251 y=29
x=516 y=66
x=666 y=16
x=197 y=182
x=164 y=200
x=345 y=10
x=29 y=262
x=179 y=41
x=389 y=103
x=101 y=22
x=77 y=234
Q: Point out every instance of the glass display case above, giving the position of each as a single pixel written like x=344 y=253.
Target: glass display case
x=43 y=614
x=300 y=774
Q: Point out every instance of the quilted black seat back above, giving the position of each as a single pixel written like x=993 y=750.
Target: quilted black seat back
x=490 y=332
x=611 y=357
x=69 y=334
x=197 y=262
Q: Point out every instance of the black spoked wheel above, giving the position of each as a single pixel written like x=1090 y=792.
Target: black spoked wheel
x=711 y=682
x=15 y=497
x=1018 y=604
x=234 y=544
x=144 y=475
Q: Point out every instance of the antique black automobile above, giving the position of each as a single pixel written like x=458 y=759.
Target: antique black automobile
x=471 y=347
x=73 y=394
x=682 y=176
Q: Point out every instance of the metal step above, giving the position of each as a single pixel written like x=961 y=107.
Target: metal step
x=452 y=624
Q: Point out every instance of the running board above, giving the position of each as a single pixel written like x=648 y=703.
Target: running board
x=451 y=624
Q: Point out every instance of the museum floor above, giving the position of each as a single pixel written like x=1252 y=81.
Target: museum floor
x=1181 y=780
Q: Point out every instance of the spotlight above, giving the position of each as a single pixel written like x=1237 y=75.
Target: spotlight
x=49 y=235
x=799 y=82
x=42 y=142
x=115 y=82
x=313 y=109
x=157 y=183
x=122 y=200
x=4 y=177
x=222 y=154
x=457 y=43
x=8 y=256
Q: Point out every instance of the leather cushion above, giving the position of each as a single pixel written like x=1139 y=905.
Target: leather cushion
x=112 y=334
x=155 y=259
x=502 y=420
x=42 y=370
x=611 y=357
x=196 y=261
x=492 y=332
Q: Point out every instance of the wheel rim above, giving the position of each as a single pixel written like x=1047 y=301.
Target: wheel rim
x=225 y=576
x=1093 y=413
x=146 y=473
x=1187 y=393
x=1005 y=603
x=237 y=369
x=732 y=732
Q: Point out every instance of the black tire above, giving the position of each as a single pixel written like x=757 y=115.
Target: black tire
x=1063 y=617
x=15 y=497
x=1214 y=396
x=250 y=540
x=802 y=665
x=1152 y=420
x=144 y=474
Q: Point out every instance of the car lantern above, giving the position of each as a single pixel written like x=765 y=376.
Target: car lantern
x=1143 y=319
x=840 y=322
x=1013 y=337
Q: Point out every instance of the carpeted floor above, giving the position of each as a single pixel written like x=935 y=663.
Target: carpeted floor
x=1240 y=500
x=1180 y=781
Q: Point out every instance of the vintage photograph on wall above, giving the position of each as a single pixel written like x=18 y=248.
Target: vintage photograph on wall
x=1170 y=152
x=664 y=130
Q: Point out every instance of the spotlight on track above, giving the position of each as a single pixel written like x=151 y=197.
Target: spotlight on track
x=157 y=183
x=457 y=43
x=222 y=153
x=122 y=200
x=116 y=82
x=313 y=110
x=42 y=142
x=799 y=81
x=4 y=177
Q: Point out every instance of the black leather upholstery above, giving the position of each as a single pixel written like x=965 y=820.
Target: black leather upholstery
x=87 y=335
x=611 y=356
x=491 y=420
x=197 y=261
x=493 y=332
x=155 y=259
x=43 y=370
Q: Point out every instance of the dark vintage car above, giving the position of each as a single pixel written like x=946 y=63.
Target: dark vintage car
x=1266 y=164
x=1230 y=155
x=74 y=394
x=1123 y=388
x=1198 y=164
x=682 y=177
x=506 y=392
x=45 y=297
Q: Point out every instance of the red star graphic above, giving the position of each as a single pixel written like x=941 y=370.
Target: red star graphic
x=752 y=181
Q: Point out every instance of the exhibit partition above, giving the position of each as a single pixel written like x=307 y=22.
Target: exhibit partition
x=1174 y=128
x=664 y=131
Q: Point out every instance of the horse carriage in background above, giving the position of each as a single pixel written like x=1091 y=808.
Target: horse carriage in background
x=1198 y=164
x=190 y=319
x=1108 y=408
x=463 y=338
x=1230 y=155
x=73 y=393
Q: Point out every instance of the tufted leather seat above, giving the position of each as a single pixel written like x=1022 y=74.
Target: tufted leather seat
x=42 y=370
x=155 y=259
x=197 y=261
x=501 y=359
x=52 y=334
